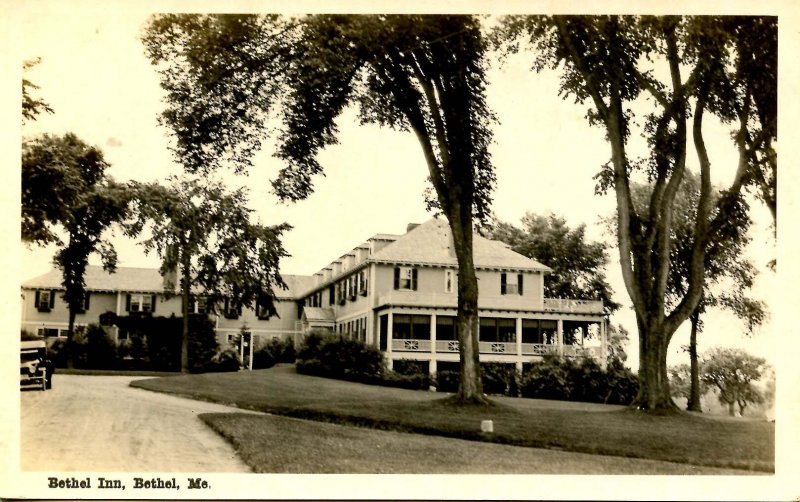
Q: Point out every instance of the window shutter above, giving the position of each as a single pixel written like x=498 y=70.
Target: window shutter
x=396 y=277
x=52 y=298
x=128 y=302
x=519 y=284
x=192 y=304
x=503 y=283
x=414 y=279
x=36 y=299
x=86 y=301
x=153 y=303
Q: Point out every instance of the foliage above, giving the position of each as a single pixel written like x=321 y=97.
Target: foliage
x=100 y=351
x=733 y=372
x=420 y=74
x=224 y=360
x=500 y=378
x=31 y=106
x=155 y=341
x=565 y=379
x=64 y=186
x=206 y=232
x=334 y=356
x=273 y=352
x=578 y=265
x=617 y=339
x=607 y=63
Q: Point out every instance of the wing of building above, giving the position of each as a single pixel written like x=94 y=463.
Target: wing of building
x=397 y=292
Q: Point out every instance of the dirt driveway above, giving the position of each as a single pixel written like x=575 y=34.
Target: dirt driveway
x=98 y=423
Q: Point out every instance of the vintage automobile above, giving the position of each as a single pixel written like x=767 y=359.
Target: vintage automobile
x=35 y=368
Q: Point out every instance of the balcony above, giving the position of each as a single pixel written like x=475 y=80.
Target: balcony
x=573 y=306
x=499 y=302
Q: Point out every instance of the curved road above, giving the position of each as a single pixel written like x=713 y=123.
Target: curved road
x=99 y=423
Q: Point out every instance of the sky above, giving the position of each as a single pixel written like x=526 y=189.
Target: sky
x=94 y=74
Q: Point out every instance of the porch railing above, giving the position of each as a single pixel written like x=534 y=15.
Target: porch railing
x=509 y=348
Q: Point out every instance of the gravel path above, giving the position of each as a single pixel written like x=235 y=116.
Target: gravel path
x=98 y=423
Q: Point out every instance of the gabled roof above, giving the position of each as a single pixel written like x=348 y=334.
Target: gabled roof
x=431 y=243
x=146 y=280
x=130 y=279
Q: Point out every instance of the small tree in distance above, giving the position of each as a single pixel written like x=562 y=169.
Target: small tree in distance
x=733 y=372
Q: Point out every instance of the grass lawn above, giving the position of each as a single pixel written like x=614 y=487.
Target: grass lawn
x=275 y=444
x=75 y=371
x=575 y=427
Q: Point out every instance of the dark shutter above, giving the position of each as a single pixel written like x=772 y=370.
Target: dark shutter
x=153 y=303
x=396 y=277
x=36 y=299
x=331 y=295
x=52 y=298
x=128 y=302
x=503 y=283
x=414 y=279
x=519 y=284
x=86 y=301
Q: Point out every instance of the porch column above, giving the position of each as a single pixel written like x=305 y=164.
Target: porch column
x=433 y=333
x=560 y=334
x=432 y=368
x=389 y=326
x=603 y=343
x=518 y=338
x=116 y=328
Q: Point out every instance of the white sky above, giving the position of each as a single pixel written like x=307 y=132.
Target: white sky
x=95 y=76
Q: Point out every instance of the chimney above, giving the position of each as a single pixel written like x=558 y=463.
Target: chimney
x=411 y=226
x=171 y=280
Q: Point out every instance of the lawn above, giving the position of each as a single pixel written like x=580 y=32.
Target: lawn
x=575 y=427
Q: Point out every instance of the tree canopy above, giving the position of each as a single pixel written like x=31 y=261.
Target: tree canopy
x=684 y=68
x=206 y=232
x=31 y=106
x=65 y=191
x=224 y=75
x=733 y=372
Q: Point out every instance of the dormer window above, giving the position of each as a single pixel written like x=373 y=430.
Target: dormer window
x=510 y=284
x=405 y=278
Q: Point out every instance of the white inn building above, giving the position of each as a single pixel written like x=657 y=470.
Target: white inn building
x=397 y=292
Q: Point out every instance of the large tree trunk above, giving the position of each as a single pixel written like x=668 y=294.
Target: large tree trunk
x=654 y=394
x=694 y=391
x=185 y=331
x=470 y=389
x=70 y=337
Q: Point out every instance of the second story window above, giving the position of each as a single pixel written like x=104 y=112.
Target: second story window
x=140 y=303
x=45 y=300
x=450 y=281
x=232 y=310
x=363 y=282
x=510 y=284
x=405 y=278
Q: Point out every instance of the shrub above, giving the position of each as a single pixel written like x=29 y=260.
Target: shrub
x=273 y=352
x=100 y=349
x=333 y=356
x=58 y=350
x=224 y=360
x=447 y=380
x=500 y=378
x=408 y=374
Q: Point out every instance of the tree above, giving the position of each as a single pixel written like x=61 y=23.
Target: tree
x=64 y=188
x=205 y=232
x=728 y=273
x=680 y=383
x=578 y=265
x=420 y=74
x=31 y=106
x=733 y=373
x=610 y=62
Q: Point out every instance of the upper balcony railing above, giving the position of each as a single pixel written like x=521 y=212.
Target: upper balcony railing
x=505 y=302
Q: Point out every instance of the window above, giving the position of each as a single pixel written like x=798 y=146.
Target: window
x=508 y=287
x=364 y=282
x=48 y=332
x=45 y=300
x=450 y=281
x=264 y=307
x=446 y=328
x=497 y=330
x=405 y=278
x=232 y=310
x=140 y=303
x=411 y=327
x=201 y=305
